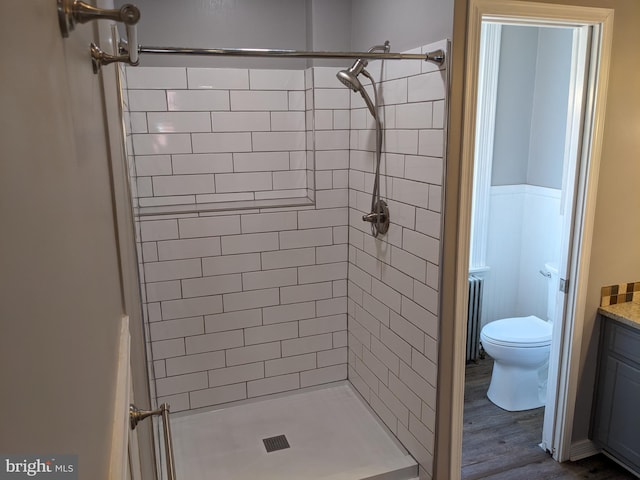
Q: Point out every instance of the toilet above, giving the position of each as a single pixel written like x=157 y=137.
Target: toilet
x=520 y=349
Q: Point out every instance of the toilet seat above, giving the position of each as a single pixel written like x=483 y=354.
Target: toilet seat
x=520 y=332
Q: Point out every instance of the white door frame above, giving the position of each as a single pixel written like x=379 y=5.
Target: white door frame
x=571 y=209
x=487 y=102
x=488 y=68
x=141 y=441
x=602 y=21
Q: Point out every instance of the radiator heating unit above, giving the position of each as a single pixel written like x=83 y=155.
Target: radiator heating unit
x=473 y=320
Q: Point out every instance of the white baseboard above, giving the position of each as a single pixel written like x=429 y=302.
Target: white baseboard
x=583 y=449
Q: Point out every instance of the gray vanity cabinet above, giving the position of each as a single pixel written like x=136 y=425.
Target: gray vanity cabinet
x=616 y=415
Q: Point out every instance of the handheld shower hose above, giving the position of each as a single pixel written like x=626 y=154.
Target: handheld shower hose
x=379 y=215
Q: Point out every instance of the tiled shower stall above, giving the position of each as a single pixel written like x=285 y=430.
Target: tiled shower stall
x=257 y=273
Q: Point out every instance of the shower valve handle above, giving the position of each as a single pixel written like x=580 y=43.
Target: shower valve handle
x=373 y=217
x=379 y=217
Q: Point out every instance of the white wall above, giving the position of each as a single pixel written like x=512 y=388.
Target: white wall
x=541 y=237
x=504 y=241
x=403 y=273
x=212 y=136
x=394 y=279
x=61 y=286
x=524 y=230
x=243 y=303
x=524 y=234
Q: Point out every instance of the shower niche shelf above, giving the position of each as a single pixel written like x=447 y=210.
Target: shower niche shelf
x=222 y=206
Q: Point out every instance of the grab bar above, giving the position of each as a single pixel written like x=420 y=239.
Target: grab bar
x=71 y=12
x=136 y=415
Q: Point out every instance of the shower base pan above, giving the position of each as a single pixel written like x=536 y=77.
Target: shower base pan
x=325 y=433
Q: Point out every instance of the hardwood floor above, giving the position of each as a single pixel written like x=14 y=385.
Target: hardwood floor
x=501 y=445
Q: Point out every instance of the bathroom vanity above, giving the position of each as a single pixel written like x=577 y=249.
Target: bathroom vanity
x=615 y=425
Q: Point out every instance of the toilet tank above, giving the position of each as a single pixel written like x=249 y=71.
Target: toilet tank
x=553 y=284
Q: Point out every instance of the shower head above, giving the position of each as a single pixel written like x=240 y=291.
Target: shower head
x=349 y=78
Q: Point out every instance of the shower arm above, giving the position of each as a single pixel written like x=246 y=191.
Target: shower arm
x=386 y=47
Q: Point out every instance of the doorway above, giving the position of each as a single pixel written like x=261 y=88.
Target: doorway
x=531 y=79
x=593 y=25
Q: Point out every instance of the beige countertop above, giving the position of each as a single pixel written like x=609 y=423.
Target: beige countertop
x=627 y=313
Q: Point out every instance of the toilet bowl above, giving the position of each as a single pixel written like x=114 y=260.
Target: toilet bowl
x=520 y=349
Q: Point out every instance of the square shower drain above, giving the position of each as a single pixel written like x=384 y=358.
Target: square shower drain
x=273 y=444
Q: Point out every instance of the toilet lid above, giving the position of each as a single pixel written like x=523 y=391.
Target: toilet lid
x=529 y=331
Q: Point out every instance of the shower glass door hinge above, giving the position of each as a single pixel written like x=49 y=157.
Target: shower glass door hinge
x=564 y=285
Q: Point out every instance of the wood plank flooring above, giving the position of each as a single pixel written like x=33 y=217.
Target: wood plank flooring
x=501 y=445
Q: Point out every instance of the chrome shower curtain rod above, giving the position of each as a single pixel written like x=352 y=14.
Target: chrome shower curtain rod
x=437 y=56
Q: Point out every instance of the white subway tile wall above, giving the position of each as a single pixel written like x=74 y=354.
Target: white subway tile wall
x=167 y=336
x=213 y=135
x=243 y=303
x=393 y=280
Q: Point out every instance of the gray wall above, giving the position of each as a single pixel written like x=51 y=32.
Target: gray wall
x=533 y=88
x=549 y=116
x=405 y=23
x=222 y=24
x=514 y=108
x=329 y=29
x=289 y=24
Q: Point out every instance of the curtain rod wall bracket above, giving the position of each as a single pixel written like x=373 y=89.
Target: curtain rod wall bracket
x=436 y=56
x=71 y=12
x=99 y=58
